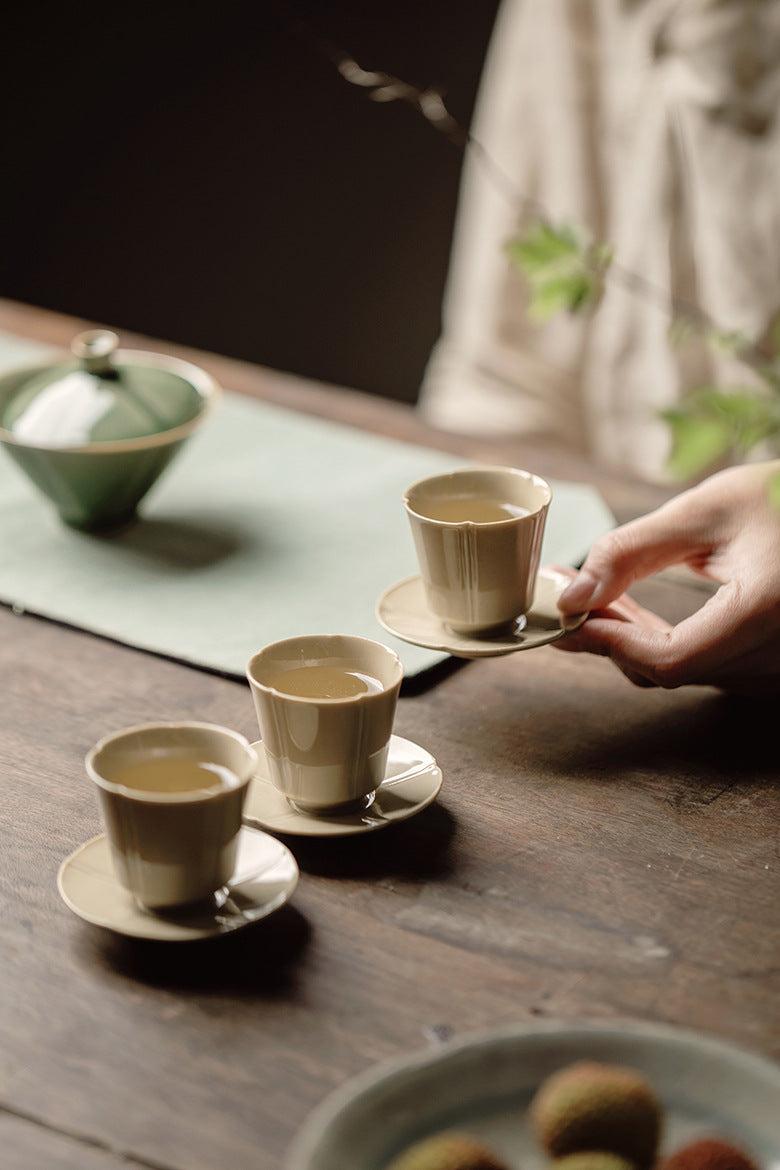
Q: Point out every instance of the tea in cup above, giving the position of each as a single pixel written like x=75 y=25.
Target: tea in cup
x=325 y=704
x=478 y=536
x=171 y=797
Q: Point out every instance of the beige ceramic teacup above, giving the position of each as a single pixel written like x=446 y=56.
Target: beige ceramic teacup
x=478 y=535
x=325 y=704
x=171 y=797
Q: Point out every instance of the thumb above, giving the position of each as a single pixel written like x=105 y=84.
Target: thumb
x=631 y=552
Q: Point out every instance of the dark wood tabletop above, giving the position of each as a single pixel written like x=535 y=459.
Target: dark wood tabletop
x=598 y=852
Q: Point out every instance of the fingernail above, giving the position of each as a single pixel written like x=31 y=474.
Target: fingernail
x=578 y=596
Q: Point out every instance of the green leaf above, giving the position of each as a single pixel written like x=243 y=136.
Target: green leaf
x=752 y=417
x=712 y=422
x=557 y=294
x=564 y=270
x=696 y=443
x=730 y=341
x=542 y=246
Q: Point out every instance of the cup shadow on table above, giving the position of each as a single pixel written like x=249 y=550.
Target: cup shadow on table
x=258 y=961
x=261 y=960
x=424 y=680
x=701 y=744
x=176 y=543
x=417 y=849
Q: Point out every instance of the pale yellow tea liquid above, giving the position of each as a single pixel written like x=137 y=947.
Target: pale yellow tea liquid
x=472 y=509
x=175 y=774
x=325 y=682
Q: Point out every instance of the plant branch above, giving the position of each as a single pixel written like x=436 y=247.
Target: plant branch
x=566 y=270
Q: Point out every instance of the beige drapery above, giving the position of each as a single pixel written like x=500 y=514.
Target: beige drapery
x=653 y=123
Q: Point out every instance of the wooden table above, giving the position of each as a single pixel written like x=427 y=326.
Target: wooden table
x=597 y=852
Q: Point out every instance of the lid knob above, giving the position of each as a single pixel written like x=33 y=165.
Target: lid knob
x=94 y=349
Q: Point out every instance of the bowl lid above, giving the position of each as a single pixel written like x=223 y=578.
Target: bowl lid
x=98 y=394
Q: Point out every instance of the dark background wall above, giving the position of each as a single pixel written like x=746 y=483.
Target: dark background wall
x=204 y=175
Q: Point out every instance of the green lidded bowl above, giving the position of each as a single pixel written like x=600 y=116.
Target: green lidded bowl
x=95 y=429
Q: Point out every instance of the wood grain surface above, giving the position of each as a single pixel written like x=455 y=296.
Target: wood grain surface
x=597 y=852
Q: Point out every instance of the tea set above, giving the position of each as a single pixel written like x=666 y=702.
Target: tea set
x=480 y=592
x=95 y=430
x=189 y=808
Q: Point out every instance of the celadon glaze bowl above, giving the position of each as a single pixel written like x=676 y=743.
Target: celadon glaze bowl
x=95 y=429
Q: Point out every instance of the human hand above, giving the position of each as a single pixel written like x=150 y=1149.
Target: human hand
x=725 y=529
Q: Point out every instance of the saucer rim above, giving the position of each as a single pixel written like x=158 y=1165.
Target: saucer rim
x=194 y=934
x=446 y=641
x=333 y=828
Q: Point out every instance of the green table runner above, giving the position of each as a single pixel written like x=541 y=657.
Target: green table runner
x=268 y=524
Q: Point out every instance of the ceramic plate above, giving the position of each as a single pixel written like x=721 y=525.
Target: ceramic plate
x=483 y=1084
x=403 y=611
x=266 y=875
x=411 y=783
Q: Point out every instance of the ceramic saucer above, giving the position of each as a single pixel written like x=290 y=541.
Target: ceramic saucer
x=412 y=781
x=403 y=611
x=265 y=876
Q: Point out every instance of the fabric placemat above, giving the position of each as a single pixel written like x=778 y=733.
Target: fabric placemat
x=269 y=523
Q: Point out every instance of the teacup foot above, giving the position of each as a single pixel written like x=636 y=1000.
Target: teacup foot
x=207 y=905
x=334 y=810
x=102 y=525
x=502 y=630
